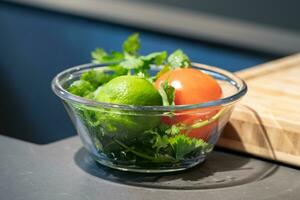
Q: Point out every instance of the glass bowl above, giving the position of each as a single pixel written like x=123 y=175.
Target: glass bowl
x=151 y=139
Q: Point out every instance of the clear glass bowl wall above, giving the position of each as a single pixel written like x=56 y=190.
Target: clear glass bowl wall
x=142 y=138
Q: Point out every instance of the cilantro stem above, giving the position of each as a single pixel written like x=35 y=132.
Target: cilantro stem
x=135 y=152
x=158 y=159
x=205 y=122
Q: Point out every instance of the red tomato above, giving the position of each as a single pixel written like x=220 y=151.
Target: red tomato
x=191 y=87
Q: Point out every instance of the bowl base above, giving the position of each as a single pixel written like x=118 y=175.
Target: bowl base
x=148 y=170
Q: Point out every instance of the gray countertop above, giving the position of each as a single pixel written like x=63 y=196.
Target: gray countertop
x=64 y=170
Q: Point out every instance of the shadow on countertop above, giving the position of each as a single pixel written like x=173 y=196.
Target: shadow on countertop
x=218 y=171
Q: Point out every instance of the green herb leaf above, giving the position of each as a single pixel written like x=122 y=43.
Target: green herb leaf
x=101 y=56
x=160 y=142
x=173 y=130
x=98 y=55
x=81 y=88
x=132 y=44
x=141 y=75
x=132 y=63
x=167 y=93
x=156 y=58
x=96 y=78
x=118 y=70
x=178 y=59
x=157 y=158
x=115 y=56
x=183 y=145
x=163 y=158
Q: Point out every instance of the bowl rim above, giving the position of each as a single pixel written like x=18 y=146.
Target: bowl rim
x=67 y=96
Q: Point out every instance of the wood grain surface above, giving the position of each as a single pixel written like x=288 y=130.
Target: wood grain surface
x=266 y=122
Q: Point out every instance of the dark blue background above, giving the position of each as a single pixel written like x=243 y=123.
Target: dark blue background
x=35 y=45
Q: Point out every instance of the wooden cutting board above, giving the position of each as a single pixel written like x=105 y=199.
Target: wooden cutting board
x=266 y=122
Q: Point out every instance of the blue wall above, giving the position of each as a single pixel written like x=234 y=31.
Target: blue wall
x=35 y=45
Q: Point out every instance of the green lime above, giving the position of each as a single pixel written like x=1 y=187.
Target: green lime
x=128 y=90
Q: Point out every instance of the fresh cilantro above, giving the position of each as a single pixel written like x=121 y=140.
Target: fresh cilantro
x=132 y=45
x=141 y=75
x=132 y=63
x=143 y=63
x=129 y=61
x=101 y=56
x=81 y=88
x=153 y=59
x=156 y=58
x=98 y=55
x=96 y=78
x=90 y=95
x=160 y=142
x=92 y=118
x=178 y=59
x=167 y=93
x=173 y=130
x=155 y=158
x=183 y=145
x=163 y=158
x=115 y=56
x=118 y=70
